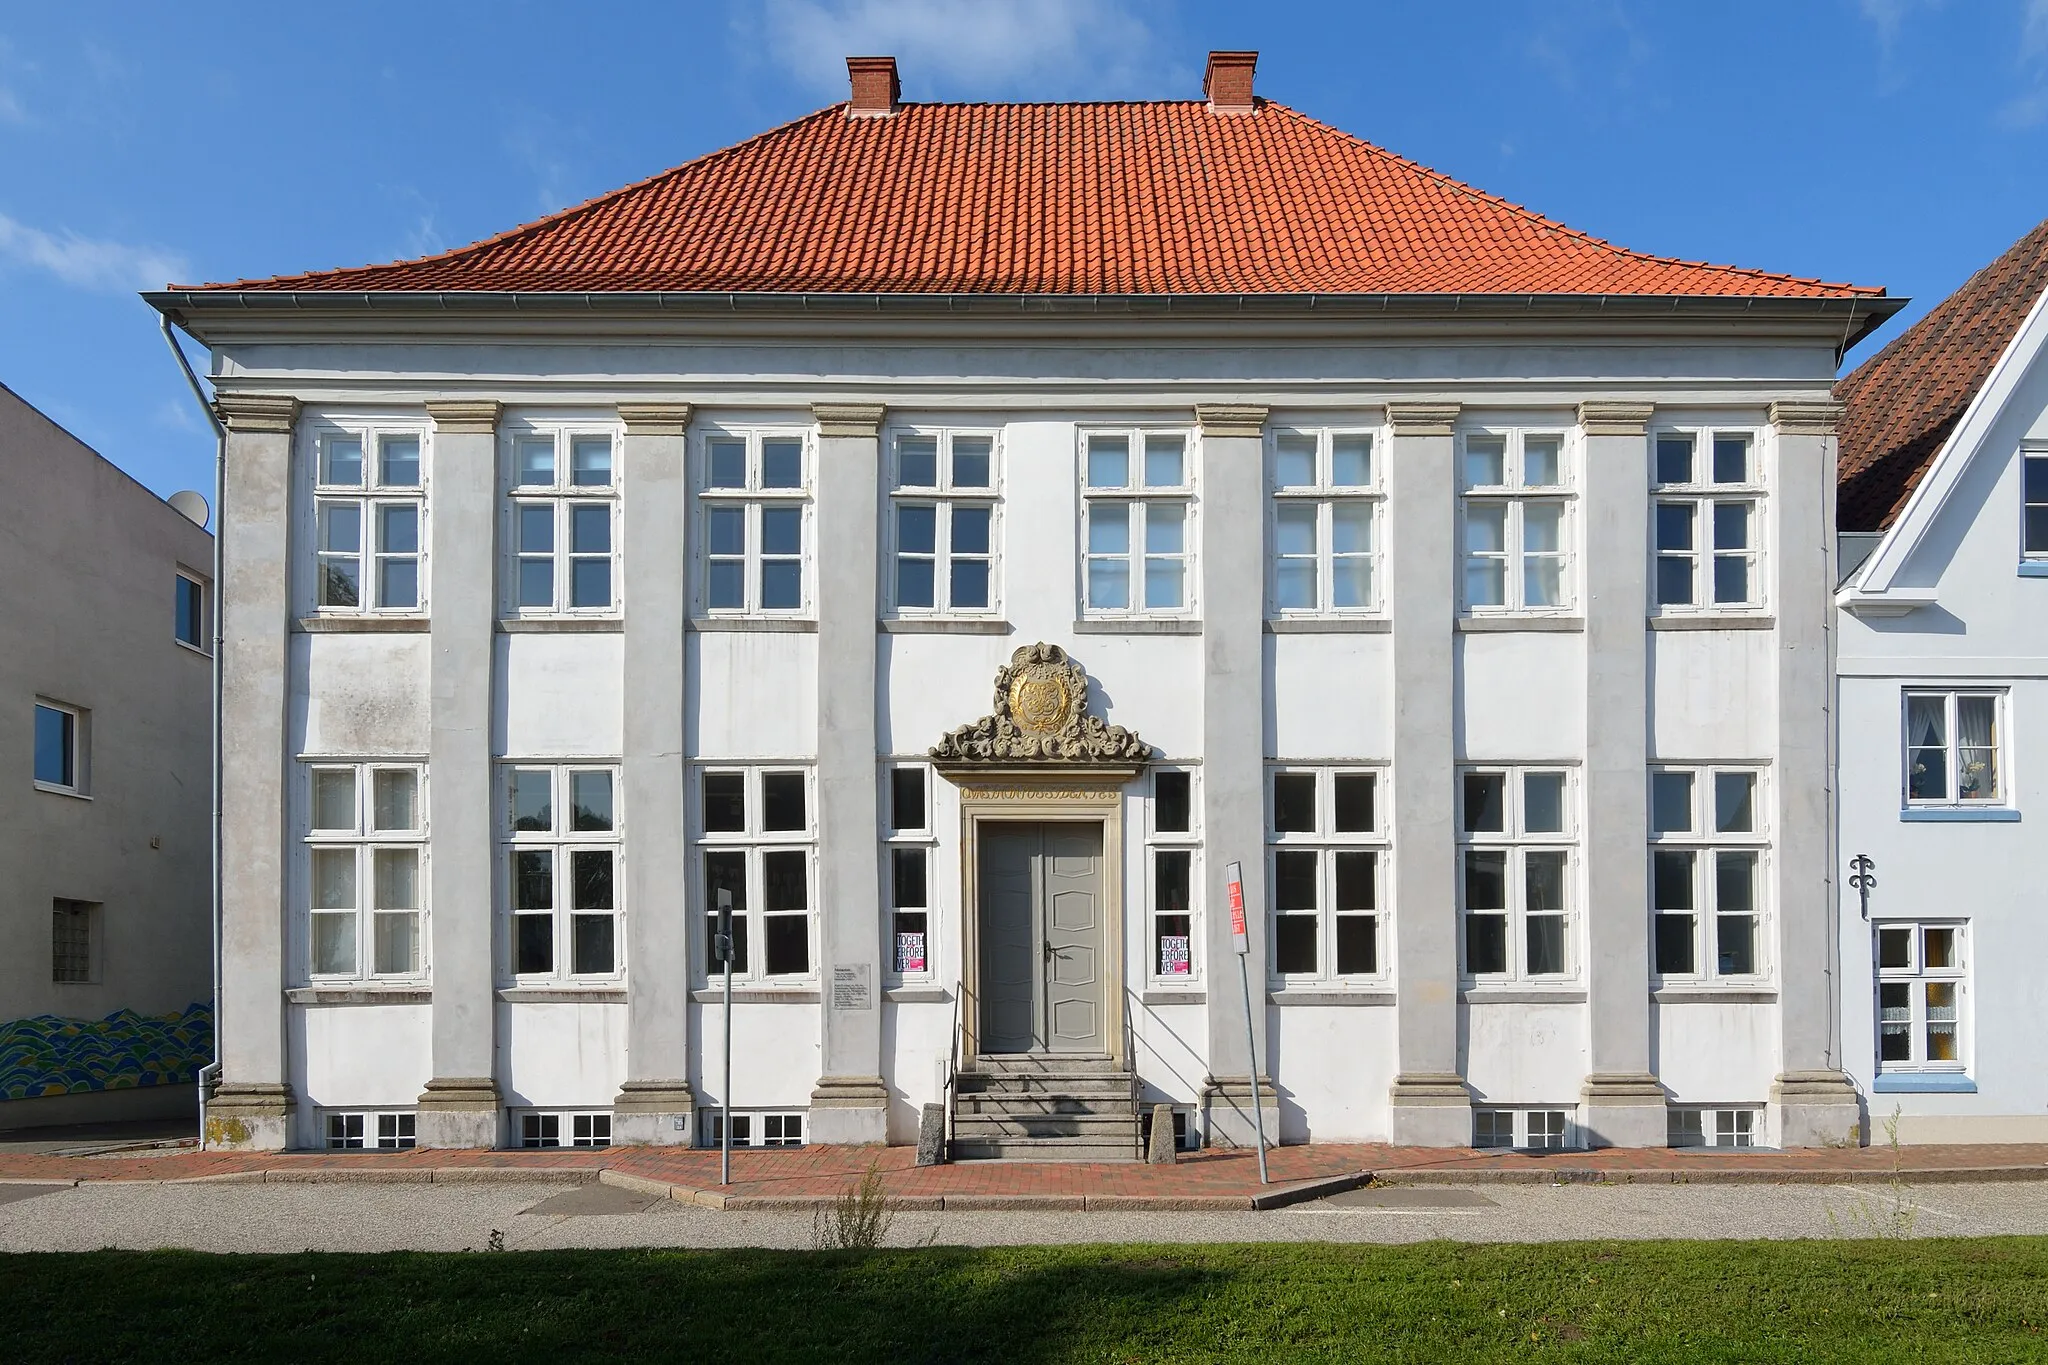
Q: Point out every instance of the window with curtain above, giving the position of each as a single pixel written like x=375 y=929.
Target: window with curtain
x=1952 y=748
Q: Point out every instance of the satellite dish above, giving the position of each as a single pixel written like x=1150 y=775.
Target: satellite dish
x=191 y=506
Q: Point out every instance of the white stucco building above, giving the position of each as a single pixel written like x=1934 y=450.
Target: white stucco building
x=1447 y=569
x=1944 y=679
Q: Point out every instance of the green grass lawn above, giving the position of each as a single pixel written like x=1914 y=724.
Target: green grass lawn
x=1863 y=1301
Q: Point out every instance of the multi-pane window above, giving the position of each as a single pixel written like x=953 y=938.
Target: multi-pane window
x=755 y=508
x=565 y=1130
x=1952 y=748
x=1137 y=513
x=752 y=1129
x=1515 y=872
x=366 y=835
x=2034 y=496
x=1922 y=972
x=942 y=523
x=389 y=1132
x=1528 y=1129
x=188 y=611
x=562 y=870
x=60 y=747
x=1704 y=519
x=367 y=511
x=71 y=941
x=907 y=854
x=1516 y=512
x=1325 y=848
x=1710 y=1127
x=756 y=838
x=1172 y=842
x=564 y=532
x=1706 y=872
x=1325 y=538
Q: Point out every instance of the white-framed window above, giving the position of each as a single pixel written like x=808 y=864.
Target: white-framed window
x=369 y=515
x=751 y=1128
x=1325 y=848
x=1711 y=1126
x=756 y=839
x=2034 y=504
x=366 y=843
x=1324 y=536
x=561 y=843
x=1706 y=520
x=1923 y=975
x=390 y=1130
x=1517 y=873
x=943 y=523
x=1708 y=852
x=1137 y=524
x=754 y=511
x=75 y=942
x=541 y=1128
x=1531 y=1130
x=1516 y=513
x=907 y=855
x=1952 y=744
x=563 y=538
x=1173 y=846
x=61 y=747
x=188 y=610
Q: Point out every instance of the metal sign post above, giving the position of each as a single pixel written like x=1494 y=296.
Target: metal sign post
x=722 y=944
x=1240 y=942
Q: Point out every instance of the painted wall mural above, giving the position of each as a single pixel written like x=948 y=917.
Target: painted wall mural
x=51 y=1055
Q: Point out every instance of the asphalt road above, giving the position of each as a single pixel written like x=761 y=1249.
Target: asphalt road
x=454 y=1217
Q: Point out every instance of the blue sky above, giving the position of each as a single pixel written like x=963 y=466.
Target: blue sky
x=1893 y=142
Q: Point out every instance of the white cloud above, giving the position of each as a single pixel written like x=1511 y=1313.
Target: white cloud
x=977 y=48
x=106 y=267
x=2031 y=108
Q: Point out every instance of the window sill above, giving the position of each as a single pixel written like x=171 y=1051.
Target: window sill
x=761 y=995
x=364 y=625
x=1710 y=621
x=560 y=625
x=1713 y=995
x=54 y=790
x=1522 y=995
x=1329 y=625
x=787 y=625
x=360 y=995
x=943 y=625
x=910 y=995
x=1959 y=815
x=563 y=995
x=1288 y=995
x=1174 y=995
x=1136 y=625
x=190 y=648
x=1923 y=1083
x=1486 y=625
x=2034 y=569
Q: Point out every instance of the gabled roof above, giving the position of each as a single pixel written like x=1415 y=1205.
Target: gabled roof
x=1904 y=402
x=1157 y=198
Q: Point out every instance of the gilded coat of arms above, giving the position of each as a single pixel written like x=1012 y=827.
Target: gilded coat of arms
x=1041 y=715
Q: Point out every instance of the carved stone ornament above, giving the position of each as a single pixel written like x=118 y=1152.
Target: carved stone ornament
x=1041 y=716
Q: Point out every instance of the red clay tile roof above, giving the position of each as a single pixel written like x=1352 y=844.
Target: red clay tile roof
x=1061 y=199
x=1904 y=401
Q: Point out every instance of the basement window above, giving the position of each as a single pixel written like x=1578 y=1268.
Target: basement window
x=753 y=1129
x=352 y=1129
x=1712 y=1127
x=1528 y=1130
x=565 y=1130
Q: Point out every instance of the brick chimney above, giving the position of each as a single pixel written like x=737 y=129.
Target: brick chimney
x=1228 y=82
x=875 y=90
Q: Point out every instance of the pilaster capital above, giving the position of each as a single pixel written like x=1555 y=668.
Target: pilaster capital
x=257 y=412
x=466 y=416
x=1231 y=419
x=1422 y=419
x=1806 y=419
x=849 y=419
x=655 y=419
x=1610 y=417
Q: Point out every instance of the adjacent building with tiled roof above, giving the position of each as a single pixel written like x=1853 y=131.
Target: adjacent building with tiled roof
x=979 y=547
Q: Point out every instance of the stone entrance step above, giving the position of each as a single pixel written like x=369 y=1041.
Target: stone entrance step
x=1045 y=1107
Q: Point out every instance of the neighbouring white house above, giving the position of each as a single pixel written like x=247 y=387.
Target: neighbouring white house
x=957 y=534
x=1943 y=660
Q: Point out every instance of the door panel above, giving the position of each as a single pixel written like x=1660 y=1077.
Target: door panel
x=1073 y=930
x=1010 y=947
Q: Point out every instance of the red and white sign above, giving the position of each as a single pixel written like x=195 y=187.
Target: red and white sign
x=1234 y=874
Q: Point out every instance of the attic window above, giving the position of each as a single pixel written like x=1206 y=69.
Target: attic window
x=2035 y=495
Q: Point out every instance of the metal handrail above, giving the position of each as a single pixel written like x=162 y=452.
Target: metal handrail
x=948 y=1090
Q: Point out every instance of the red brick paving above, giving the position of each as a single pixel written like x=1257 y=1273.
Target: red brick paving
x=801 y=1177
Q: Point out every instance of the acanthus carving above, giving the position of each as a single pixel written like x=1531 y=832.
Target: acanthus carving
x=1041 y=716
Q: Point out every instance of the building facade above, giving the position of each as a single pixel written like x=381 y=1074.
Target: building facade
x=105 y=834
x=959 y=560
x=1944 y=674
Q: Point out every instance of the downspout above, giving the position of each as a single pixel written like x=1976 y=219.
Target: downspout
x=210 y=1073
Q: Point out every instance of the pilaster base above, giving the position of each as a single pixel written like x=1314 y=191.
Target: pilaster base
x=249 y=1116
x=1623 y=1110
x=1430 y=1109
x=1227 y=1118
x=849 y=1111
x=458 y=1111
x=1815 y=1109
x=654 y=1114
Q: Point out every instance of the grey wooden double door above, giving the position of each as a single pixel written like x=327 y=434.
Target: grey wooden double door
x=1042 y=969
